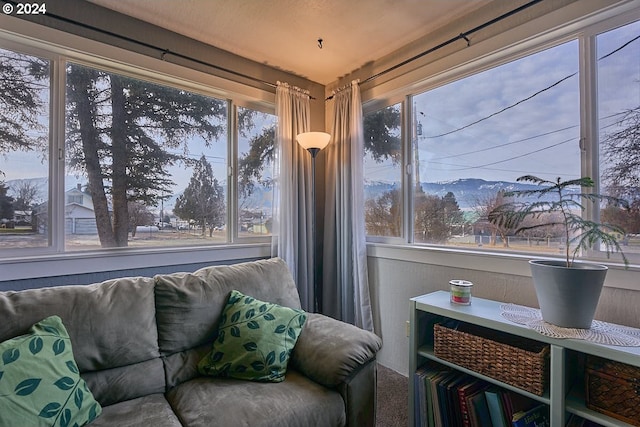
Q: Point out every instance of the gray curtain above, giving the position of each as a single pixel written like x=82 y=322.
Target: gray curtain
x=292 y=227
x=345 y=279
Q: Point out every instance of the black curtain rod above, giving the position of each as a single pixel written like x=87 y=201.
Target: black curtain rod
x=163 y=52
x=461 y=36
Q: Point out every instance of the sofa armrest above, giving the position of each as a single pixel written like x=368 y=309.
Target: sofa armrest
x=329 y=351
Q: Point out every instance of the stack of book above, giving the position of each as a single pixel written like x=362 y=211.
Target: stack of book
x=449 y=398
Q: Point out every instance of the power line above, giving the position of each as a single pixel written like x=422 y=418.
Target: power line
x=507 y=143
x=519 y=156
x=533 y=95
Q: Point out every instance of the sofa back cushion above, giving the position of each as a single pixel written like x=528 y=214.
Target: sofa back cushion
x=111 y=325
x=189 y=305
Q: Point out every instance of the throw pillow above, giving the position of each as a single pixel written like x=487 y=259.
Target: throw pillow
x=40 y=384
x=254 y=340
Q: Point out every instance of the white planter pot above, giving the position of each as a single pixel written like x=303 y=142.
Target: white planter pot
x=568 y=297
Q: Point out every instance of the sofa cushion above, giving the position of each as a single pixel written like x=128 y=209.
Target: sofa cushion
x=114 y=385
x=188 y=305
x=254 y=340
x=39 y=380
x=152 y=410
x=295 y=402
x=111 y=324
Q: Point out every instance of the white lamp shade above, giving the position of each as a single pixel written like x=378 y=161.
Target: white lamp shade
x=311 y=140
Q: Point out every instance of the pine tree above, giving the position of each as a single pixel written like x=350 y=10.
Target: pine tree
x=203 y=199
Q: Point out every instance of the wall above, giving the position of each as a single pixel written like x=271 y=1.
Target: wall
x=398 y=273
x=393 y=280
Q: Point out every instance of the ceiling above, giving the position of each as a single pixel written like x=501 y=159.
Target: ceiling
x=285 y=33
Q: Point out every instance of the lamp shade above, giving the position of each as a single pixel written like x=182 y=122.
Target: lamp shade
x=313 y=140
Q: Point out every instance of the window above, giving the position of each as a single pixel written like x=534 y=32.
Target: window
x=146 y=163
x=383 y=172
x=619 y=128
x=151 y=160
x=476 y=135
x=256 y=144
x=24 y=149
x=473 y=133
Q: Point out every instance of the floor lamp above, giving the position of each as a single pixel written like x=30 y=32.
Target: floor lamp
x=313 y=142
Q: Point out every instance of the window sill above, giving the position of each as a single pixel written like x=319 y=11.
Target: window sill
x=123 y=259
x=516 y=264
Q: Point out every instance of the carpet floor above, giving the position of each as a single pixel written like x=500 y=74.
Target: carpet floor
x=393 y=399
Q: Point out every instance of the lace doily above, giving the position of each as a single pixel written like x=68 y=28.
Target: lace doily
x=600 y=332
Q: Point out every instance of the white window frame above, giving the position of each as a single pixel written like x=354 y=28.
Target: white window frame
x=495 y=52
x=60 y=47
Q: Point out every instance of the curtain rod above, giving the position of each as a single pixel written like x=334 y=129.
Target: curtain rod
x=461 y=36
x=163 y=52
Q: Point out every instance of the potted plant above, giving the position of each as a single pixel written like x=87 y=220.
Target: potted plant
x=567 y=291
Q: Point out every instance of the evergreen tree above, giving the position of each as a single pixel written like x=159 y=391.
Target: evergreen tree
x=121 y=133
x=203 y=199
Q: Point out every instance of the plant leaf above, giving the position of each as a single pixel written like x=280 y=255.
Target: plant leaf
x=253 y=325
x=52 y=330
x=250 y=346
x=257 y=366
x=35 y=345
x=65 y=383
x=50 y=410
x=72 y=366
x=78 y=398
x=10 y=355
x=217 y=356
x=58 y=347
x=271 y=358
x=28 y=386
x=65 y=418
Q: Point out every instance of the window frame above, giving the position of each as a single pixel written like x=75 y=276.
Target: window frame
x=460 y=65
x=61 y=47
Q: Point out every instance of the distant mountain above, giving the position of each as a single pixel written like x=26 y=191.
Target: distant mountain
x=469 y=192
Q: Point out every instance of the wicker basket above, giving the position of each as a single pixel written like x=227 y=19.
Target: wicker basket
x=516 y=361
x=613 y=388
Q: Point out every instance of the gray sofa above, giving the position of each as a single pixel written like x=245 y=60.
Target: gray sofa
x=137 y=341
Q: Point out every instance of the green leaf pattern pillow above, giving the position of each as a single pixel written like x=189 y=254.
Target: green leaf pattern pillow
x=254 y=340
x=40 y=384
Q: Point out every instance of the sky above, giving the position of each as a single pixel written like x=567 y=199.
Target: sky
x=518 y=118
x=521 y=117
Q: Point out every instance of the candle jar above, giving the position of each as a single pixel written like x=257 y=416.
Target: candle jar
x=460 y=291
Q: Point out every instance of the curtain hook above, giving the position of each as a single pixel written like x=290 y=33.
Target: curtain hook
x=320 y=43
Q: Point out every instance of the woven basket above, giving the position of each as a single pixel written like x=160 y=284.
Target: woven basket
x=613 y=388
x=513 y=360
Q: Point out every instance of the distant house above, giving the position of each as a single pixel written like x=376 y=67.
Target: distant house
x=79 y=216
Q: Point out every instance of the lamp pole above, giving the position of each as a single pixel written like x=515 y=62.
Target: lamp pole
x=313 y=142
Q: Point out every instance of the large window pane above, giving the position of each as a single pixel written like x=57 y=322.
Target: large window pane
x=256 y=139
x=146 y=164
x=475 y=136
x=619 y=124
x=383 y=172
x=24 y=150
